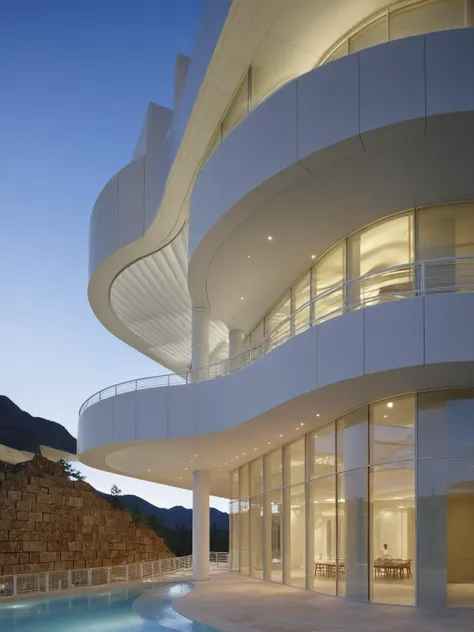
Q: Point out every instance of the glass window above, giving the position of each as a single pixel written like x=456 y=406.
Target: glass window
x=392 y=430
x=426 y=17
x=234 y=484
x=244 y=482
x=238 y=109
x=327 y=276
x=273 y=469
x=341 y=535
x=301 y=293
x=446 y=231
x=374 y=33
x=387 y=244
x=445 y=423
x=352 y=439
x=321 y=451
x=278 y=315
x=257 y=335
x=244 y=536
x=295 y=536
x=340 y=51
x=256 y=536
x=322 y=535
x=273 y=536
x=392 y=533
x=445 y=516
x=256 y=476
x=293 y=459
x=353 y=551
x=234 y=535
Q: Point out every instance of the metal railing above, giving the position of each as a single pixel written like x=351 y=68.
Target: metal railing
x=57 y=581
x=436 y=276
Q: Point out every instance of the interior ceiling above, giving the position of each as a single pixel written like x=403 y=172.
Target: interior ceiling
x=324 y=207
x=281 y=39
x=151 y=299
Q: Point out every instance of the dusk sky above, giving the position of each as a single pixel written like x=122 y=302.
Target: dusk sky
x=75 y=80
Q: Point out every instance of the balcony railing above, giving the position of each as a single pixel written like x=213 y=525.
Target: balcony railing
x=436 y=276
x=57 y=581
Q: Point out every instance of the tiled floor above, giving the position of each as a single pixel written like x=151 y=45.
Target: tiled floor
x=232 y=603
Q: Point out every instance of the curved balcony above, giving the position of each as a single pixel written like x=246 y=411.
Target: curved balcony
x=436 y=276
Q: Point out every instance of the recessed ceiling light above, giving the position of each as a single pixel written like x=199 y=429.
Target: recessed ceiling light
x=218 y=470
x=297 y=428
x=302 y=423
x=185 y=468
x=149 y=470
x=317 y=414
x=313 y=256
x=197 y=455
x=269 y=237
x=225 y=463
x=255 y=448
x=241 y=298
x=281 y=435
x=236 y=457
x=385 y=416
x=243 y=453
x=180 y=478
x=390 y=405
x=248 y=256
x=269 y=443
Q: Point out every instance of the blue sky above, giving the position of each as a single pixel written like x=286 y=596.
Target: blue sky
x=75 y=80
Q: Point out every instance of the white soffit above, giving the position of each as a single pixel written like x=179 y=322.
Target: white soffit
x=151 y=299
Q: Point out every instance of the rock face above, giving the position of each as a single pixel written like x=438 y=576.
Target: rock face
x=48 y=522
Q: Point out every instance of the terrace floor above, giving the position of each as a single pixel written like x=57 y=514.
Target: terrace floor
x=233 y=603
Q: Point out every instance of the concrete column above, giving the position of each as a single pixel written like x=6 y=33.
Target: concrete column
x=200 y=341
x=201 y=531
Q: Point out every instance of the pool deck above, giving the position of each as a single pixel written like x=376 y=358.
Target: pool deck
x=233 y=603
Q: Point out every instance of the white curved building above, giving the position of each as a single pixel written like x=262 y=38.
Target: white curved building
x=296 y=241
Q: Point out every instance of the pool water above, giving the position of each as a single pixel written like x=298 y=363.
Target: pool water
x=146 y=608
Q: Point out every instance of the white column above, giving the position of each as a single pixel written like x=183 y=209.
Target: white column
x=200 y=340
x=201 y=531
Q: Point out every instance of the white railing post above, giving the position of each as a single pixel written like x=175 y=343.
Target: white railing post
x=69 y=579
x=15 y=585
x=108 y=574
x=141 y=570
x=46 y=582
x=126 y=572
x=422 y=280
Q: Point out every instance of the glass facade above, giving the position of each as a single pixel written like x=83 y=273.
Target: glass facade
x=377 y=505
x=378 y=262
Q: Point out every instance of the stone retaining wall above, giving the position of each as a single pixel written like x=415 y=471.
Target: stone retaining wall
x=48 y=522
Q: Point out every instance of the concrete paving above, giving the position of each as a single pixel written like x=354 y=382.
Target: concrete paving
x=232 y=603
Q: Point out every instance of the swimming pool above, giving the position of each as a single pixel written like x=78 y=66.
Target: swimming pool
x=146 y=608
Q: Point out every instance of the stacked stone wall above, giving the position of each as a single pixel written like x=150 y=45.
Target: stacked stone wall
x=50 y=523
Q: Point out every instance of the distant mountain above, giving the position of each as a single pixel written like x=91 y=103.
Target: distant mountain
x=22 y=431
x=175 y=515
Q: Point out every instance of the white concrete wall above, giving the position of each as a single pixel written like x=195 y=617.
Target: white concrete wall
x=406 y=345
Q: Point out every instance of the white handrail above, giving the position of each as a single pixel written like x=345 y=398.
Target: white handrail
x=435 y=276
x=55 y=581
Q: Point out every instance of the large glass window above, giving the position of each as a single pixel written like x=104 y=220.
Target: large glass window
x=273 y=470
x=234 y=484
x=276 y=317
x=376 y=32
x=327 y=276
x=352 y=439
x=273 y=536
x=367 y=506
x=321 y=451
x=446 y=423
x=426 y=17
x=256 y=536
x=446 y=231
x=387 y=245
x=301 y=294
x=322 y=535
x=295 y=536
x=392 y=430
x=392 y=541
x=293 y=459
x=256 y=476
